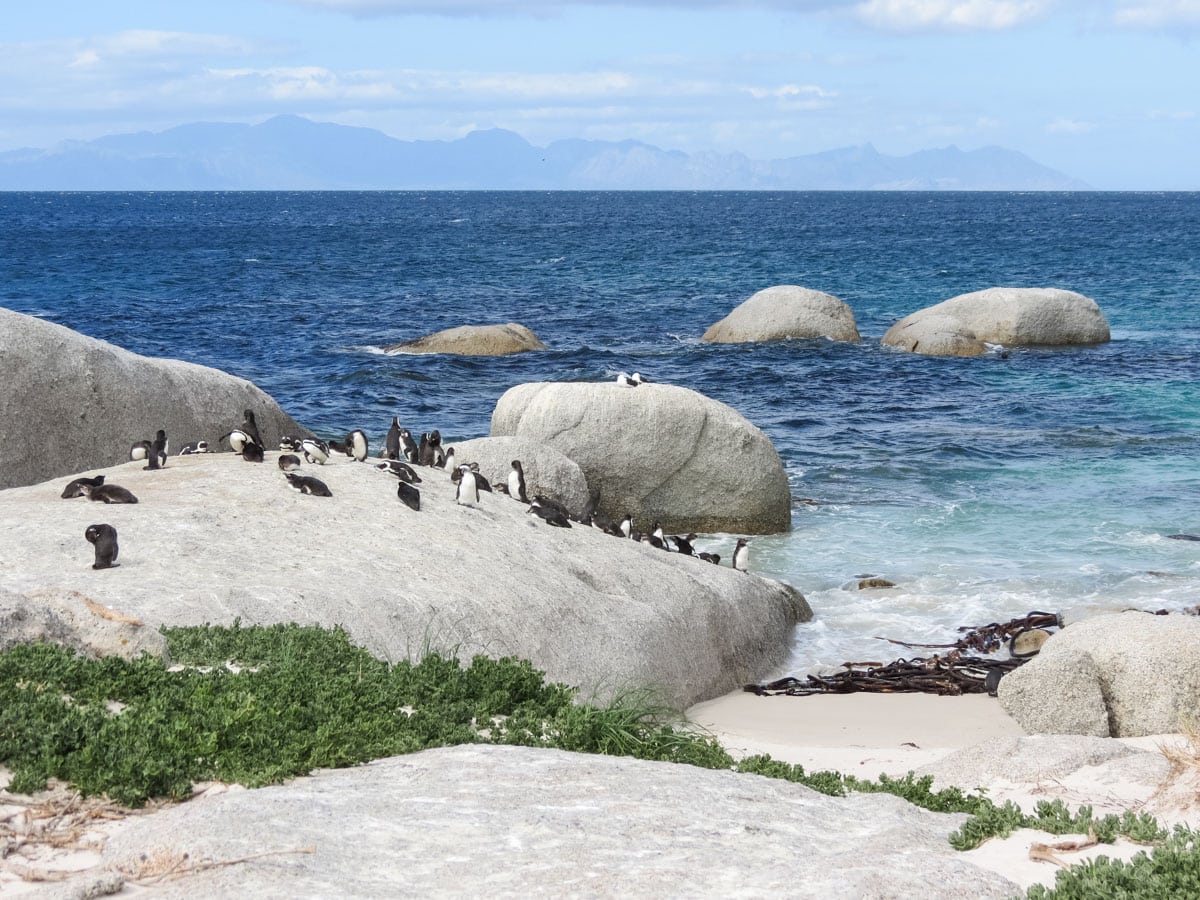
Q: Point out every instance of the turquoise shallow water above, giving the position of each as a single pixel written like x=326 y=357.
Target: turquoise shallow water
x=984 y=488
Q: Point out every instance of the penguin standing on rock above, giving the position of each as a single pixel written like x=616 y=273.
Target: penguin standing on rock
x=104 y=539
x=158 y=451
x=516 y=482
x=140 y=450
x=408 y=446
x=356 y=444
x=315 y=450
x=468 y=487
x=626 y=526
x=741 y=555
x=392 y=442
x=250 y=427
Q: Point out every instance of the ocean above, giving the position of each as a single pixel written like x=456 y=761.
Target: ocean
x=1047 y=479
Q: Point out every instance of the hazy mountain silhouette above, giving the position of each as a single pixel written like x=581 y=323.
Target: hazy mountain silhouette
x=293 y=153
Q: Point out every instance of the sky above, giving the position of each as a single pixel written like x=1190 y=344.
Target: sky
x=1107 y=91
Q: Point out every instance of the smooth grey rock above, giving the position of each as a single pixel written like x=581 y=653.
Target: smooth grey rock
x=785 y=311
x=74 y=620
x=1145 y=669
x=1001 y=315
x=474 y=340
x=547 y=471
x=660 y=452
x=521 y=822
x=214 y=538
x=72 y=403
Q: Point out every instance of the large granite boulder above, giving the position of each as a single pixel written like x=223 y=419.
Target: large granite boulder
x=75 y=620
x=547 y=471
x=474 y=340
x=782 y=312
x=214 y=538
x=1123 y=675
x=660 y=452
x=516 y=821
x=72 y=403
x=962 y=325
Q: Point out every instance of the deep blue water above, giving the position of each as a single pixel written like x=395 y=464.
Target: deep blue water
x=983 y=487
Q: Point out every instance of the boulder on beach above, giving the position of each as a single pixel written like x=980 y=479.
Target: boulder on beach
x=474 y=340
x=1124 y=675
x=215 y=538
x=72 y=403
x=508 y=821
x=659 y=452
x=75 y=620
x=782 y=312
x=547 y=471
x=1013 y=317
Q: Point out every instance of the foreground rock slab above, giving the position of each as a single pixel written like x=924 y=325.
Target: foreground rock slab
x=71 y=402
x=660 y=452
x=782 y=312
x=1013 y=317
x=474 y=340
x=509 y=821
x=214 y=538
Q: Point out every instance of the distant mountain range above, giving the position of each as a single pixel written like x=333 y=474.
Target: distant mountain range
x=293 y=153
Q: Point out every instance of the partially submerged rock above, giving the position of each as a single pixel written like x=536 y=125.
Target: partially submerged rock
x=72 y=403
x=509 y=821
x=474 y=340
x=547 y=471
x=1013 y=317
x=660 y=452
x=782 y=312
x=1123 y=675
x=215 y=538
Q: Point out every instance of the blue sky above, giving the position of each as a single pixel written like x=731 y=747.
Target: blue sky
x=1107 y=91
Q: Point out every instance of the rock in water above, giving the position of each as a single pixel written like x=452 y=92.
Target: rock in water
x=84 y=397
x=782 y=312
x=474 y=340
x=660 y=452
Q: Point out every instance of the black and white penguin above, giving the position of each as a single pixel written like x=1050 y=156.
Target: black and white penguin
x=237 y=439
x=252 y=452
x=448 y=462
x=108 y=493
x=516 y=482
x=392 y=442
x=551 y=515
x=338 y=447
x=637 y=378
x=306 y=484
x=104 y=538
x=408 y=446
x=75 y=488
x=289 y=444
x=684 y=544
x=356 y=445
x=468 y=487
x=624 y=380
x=430 y=451
x=194 y=447
x=626 y=526
x=653 y=541
x=316 y=451
x=401 y=470
x=657 y=531
x=741 y=555
x=409 y=496
x=289 y=462
x=714 y=558
x=158 y=451
x=250 y=427
x=141 y=450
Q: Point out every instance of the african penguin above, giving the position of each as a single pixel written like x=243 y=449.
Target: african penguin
x=741 y=555
x=392 y=443
x=408 y=445
x=75 y=488
x=409 y=496
x=516 y=482
x=626 y=526
x=141 y=450
x=289 y=462
x=250 y=427
x=356 y=444
x=108 y=493
x=550 y=514
x=315 y=450
x=468 y=487
x=306 y=484
x=158 y=451
x=401 y=470
x=252 y=452
x=104 y=539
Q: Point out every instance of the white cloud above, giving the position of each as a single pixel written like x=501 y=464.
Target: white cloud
x=1069 y=126
x=544 y=7
x=1158 y=13
x=790 y=92
x=949 y=15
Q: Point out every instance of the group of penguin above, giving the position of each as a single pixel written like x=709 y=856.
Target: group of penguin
x=400 y=454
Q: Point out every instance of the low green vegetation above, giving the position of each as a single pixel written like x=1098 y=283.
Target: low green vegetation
x=258 y=705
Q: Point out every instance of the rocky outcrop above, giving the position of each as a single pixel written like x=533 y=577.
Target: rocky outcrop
x=782 y=312
x=963 y=325
x=508 y=821
x=547 y=471
x=660 y=452
x=75 y=620
x=1124 y=675
x=72 y=403
x=474 y=340
x=214 y=538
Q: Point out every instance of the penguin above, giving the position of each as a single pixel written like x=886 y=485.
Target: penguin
x=516 y=482
x=448 y=462
x=338 y=447
x=250 y=427
x=75 y=488
x=626 y=526
x=356 y=445
x=104 y=539
x=625 y=380
x=252 y=452
x=289 y=462
x=108 y=493
x=684 y=544
x=158 y=451
x=237 y=439
x=714 y=558
x=289 y=444
x=140 y=450
x=315 y=450
x=430 y=451
x=741 y=555
x=468 y=487
x=401 y=470
x=409 y=496
x=657 y=531
x=306 y=484
x=392 y=443
x=551 y=515
x=194 y=447
x=480 y=482
x=408 y=446
x=550 y=503
x=653 y=541
x=637 y=379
